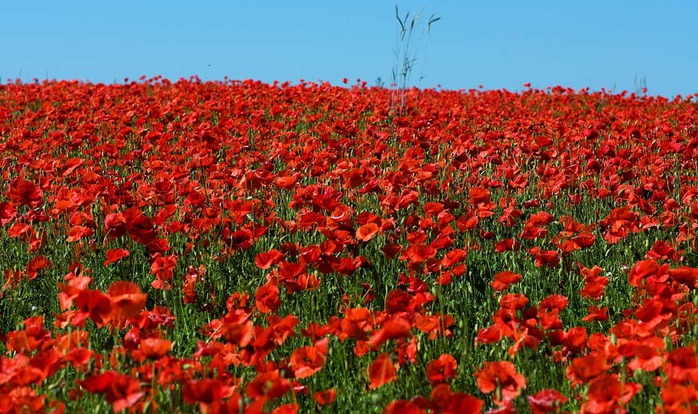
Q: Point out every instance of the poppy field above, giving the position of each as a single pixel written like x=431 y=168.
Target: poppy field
x=242 y=247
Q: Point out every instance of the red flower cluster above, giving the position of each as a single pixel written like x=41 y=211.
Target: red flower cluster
x=235 y=241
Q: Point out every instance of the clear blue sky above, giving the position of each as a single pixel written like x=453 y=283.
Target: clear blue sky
x=497 y=44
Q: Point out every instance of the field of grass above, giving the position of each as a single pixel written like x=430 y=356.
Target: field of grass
x=240 y=247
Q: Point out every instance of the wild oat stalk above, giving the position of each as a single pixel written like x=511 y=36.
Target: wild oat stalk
x=406 y=52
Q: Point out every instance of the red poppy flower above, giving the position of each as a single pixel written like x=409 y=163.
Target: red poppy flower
x=661 y=250
x=596 y=314
x=686 y=275
x=545 y=257
x=7 y=213
x=79 y=358
x=641 y=271
x=404 y=407
x=618 y=230
x=155 y=348
x=94 y=305
x=114 y=255
x=546 y=401
x=513 y=301
x=19 y=229
x=35 y=264
x=77 y=233
x=468 y=222
x=555 y=301
x=290 y=408
x=584 y=240
x=682 y=365
x=606 y=394
x=122 y=391
x=587 y=367
x=139 y=226
x=453 y=257
x=679 y=398
x=490 y=335
x=393 y=328
x=381 y=371
x=127 y=301
x=163 y=268
x=644 y=355
x=267 y=298
x=33 y=337
x=391 y=250
x=285 y=182
x=479 y=195
x=594 y=287
x=325 y=397
x=398 y=300
x=507 y=245
x=655 y=313
x=355 y=324
x=268 y=384
x=367 y=232
x=204 y=390
x=239 y=334
x=265 y=260
x=24 y=398
x=444 y=400
x=115 y=224
x=419 y=253
x=500 y=375
x=306 y=361
x=23 y=192
x=442 y=369
x=503 y=280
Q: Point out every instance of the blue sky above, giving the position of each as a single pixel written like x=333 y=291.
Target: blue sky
x=497 y=44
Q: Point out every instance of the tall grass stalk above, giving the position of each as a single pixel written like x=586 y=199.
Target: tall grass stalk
x=406 y=52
